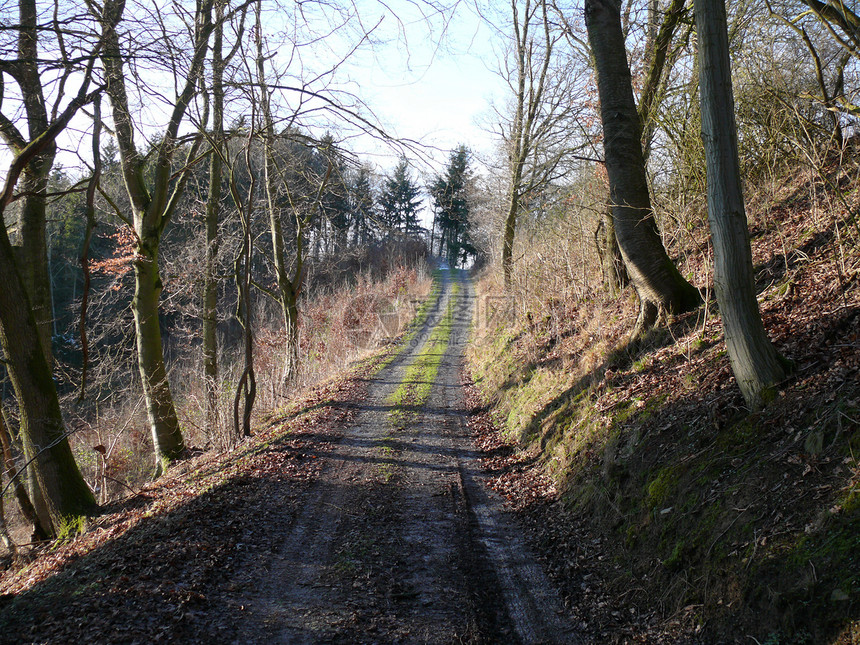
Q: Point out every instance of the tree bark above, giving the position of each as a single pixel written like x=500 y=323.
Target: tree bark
x=612 y=264
x=163 y=421
x=756 y=364
x=152 y=207
x=31 y=218
x=43 y=434
x=657 y=281
x=33 y=252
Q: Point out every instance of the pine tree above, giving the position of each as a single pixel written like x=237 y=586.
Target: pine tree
x=449 y=192
x=400 y=202
x=334 y=203
x=362 y=207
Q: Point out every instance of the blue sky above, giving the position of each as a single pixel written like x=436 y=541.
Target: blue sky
x=438 y=94
x=429 y=80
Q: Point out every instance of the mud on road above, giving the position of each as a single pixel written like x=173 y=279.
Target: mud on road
x=398 y=539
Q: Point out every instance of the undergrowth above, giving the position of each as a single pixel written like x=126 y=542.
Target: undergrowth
x=357 y=323
x=715 y=521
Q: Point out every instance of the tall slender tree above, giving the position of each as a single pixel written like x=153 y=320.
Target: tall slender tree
x=757 y=366
x=153 y=193
x=532 y=56
x=215 y=105
x=291 y=197
x=42 y=429
x=32 y=250
x=57 y=489
x=362 y=207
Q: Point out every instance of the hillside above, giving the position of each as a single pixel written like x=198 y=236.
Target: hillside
x=665 y=509
x=623 y=494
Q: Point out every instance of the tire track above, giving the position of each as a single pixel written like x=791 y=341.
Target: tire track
x=399 y=541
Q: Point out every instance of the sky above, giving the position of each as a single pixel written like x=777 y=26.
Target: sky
x=429 y=80
x=437 y=93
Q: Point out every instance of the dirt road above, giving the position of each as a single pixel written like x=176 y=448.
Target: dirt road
x=360 y=518
x=398 y=540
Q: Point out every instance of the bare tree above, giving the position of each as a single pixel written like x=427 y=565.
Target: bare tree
x=153 y=192
x=660 y=60
x=657 y=281
x=757 y=366
x=27 y=73
x=57 y=490
x=538 y=134
x=246 y=389
x=42 y=429
x=215 y=103
x=30 y=70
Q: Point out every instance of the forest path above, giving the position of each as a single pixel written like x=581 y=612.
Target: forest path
x=398 y=540
x=360 y=516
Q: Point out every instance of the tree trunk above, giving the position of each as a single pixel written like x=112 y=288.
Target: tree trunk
x=90 y=214
x=20 y=490
x=152 y=206
x=246 y=390
x=508 y=241
x=288 y=288
x=4 y=534
x=659 y=65
x=31 y=219
x=757 y=366
x=657 y=281
x=612 y=264
x=291 y=361
x=34 y=248
x=530 y=86
x=163 y=422
x=43 y=432
x=213 y=209
x=33 y=252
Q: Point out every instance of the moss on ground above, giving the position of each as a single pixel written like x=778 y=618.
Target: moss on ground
x=744 y=506
x=420 y=375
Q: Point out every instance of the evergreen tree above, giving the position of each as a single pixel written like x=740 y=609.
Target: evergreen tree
x=334 y=203
x=400 y=201
x=451 y=220
x=362 y=207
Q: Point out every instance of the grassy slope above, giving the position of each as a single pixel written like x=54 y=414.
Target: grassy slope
x=710 y=522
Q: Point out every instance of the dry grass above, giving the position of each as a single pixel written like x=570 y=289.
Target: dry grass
x=111 y=439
